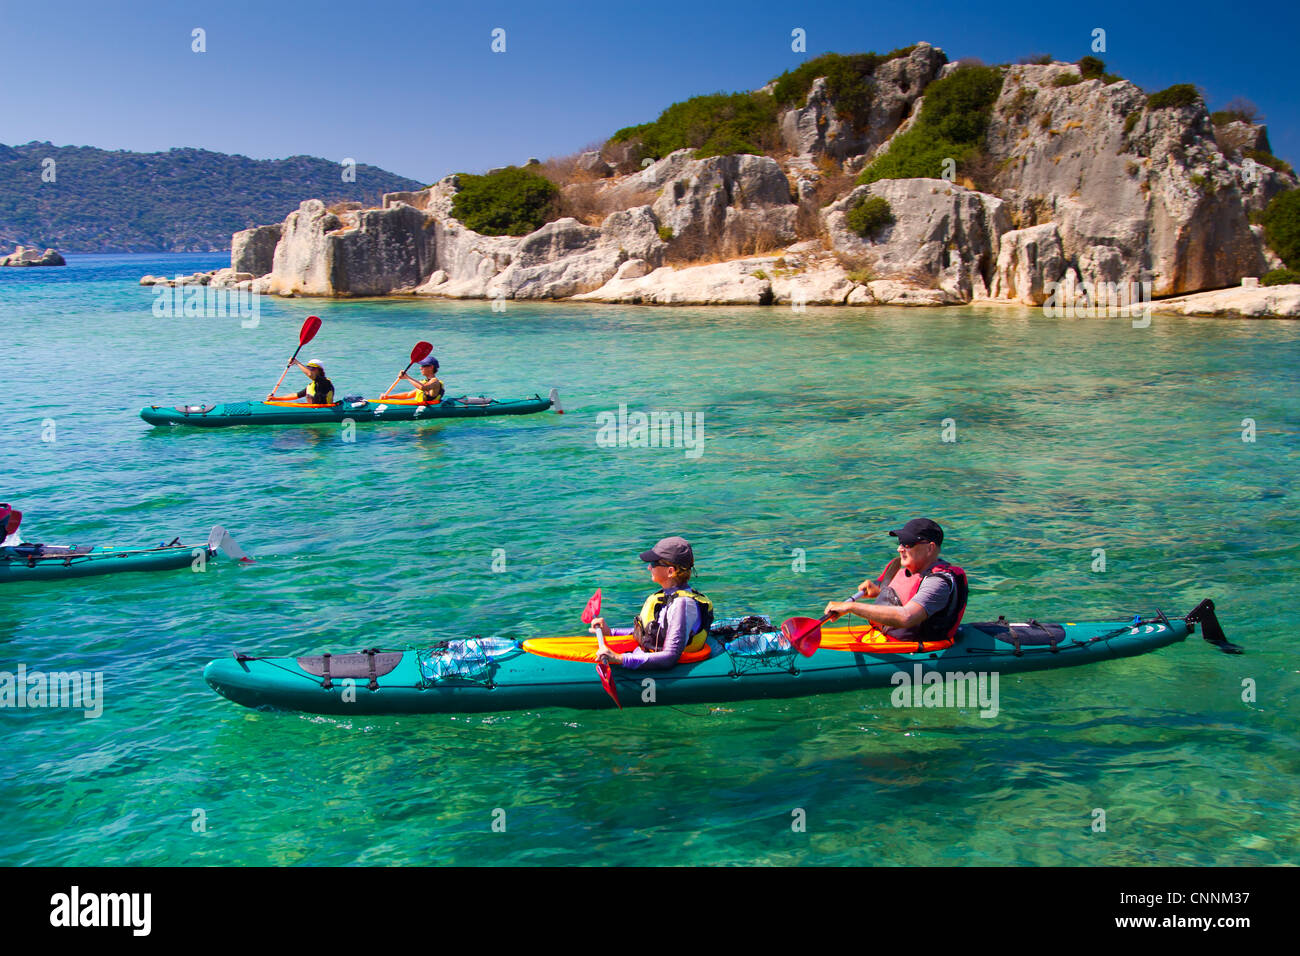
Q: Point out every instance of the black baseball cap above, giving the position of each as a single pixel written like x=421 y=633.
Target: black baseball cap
x=676 y=551
x=919 y=529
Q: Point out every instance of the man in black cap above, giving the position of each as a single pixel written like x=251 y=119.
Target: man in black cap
x=919 y=596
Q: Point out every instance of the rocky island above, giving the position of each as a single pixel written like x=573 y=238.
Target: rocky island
x=23 y=256
x=900 y=179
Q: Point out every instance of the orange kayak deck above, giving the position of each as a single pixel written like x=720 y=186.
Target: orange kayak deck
x=865 y=640
x=583 y=648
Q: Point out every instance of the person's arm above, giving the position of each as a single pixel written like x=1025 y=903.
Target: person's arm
x=909 y=615
x=930 y=597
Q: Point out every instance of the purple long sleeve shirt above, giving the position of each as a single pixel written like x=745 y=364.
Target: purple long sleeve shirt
x=680 y=621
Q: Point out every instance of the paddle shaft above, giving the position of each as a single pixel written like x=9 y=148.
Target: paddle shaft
x=308 y=332
x=286 y=369
x=390 y=388
x=421 y=352
x=857 y=595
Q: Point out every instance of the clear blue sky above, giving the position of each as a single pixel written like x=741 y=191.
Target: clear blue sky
x=414 y=87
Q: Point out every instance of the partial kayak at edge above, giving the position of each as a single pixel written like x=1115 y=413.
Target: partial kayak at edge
x=43 y=562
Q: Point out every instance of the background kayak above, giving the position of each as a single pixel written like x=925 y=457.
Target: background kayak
x=43 y=562
x=499 y=675
x=264 y=413
x=17 y=567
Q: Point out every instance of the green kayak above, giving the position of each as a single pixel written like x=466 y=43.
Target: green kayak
x=357 y=410
x=745 y=661
x=46 y=562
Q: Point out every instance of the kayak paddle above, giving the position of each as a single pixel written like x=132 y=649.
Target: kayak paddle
x=220 y=539
x=589 y=614
x=805 y=634
x=592 y=610
x=421 y=352
x=12 y=519
x=607 y=681
x=308 y=332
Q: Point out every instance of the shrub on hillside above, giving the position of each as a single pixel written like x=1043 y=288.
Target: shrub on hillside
x=506 y=202
x=713 y=125
x=1178 y=95
x=1268 y=159
x=952 y=123
x=1281 y=221
x=1091 y=68
x=1067 y=79
x=1238 y=109
x=1280 y=277
x=848 y=81
x=869 y=215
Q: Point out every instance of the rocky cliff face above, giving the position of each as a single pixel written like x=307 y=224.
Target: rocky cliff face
x=815 y=129
x=1150 y=198
x=1082 y=182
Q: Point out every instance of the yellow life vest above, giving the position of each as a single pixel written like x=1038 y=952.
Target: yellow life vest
x=316 y=395
x=648 y=630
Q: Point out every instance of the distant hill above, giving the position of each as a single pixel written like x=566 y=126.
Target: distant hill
x=183 y=200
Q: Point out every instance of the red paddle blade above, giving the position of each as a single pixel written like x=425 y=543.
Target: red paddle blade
x=607 y=681
x=14 y=520
x=804 y=633
x=592 y=610
x=421 y=352
x=309 y=330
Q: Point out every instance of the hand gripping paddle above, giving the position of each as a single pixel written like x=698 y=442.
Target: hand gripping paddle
x=421 y=352
x=305 y=335
x=589 y=614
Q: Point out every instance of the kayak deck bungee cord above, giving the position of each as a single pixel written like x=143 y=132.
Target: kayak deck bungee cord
x=750 y=662
x=353 y=409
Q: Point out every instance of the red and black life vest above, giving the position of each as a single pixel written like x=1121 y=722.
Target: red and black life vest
x=9 y=521
x=898 y=586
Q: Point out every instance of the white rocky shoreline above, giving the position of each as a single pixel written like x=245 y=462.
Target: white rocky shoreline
x=1091 y=189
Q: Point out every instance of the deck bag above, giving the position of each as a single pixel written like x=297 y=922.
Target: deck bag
x=1031 y=634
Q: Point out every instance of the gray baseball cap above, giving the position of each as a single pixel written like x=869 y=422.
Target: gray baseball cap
x=676 y=551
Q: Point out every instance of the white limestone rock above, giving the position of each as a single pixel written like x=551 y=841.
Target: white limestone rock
x=944 y=236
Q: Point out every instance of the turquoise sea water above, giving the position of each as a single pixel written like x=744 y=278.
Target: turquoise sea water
x=821 y=431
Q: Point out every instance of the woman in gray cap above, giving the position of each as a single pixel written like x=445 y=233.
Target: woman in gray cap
x=673 y=620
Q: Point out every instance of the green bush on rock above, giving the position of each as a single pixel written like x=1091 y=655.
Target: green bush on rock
x=715 y=124
x=505 y=202
x=1280 y=277
x=1176 y=96
x=1281 y=221
x=1092 y=68
x=952 y=123
x=848 y=81
x=869 y=215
